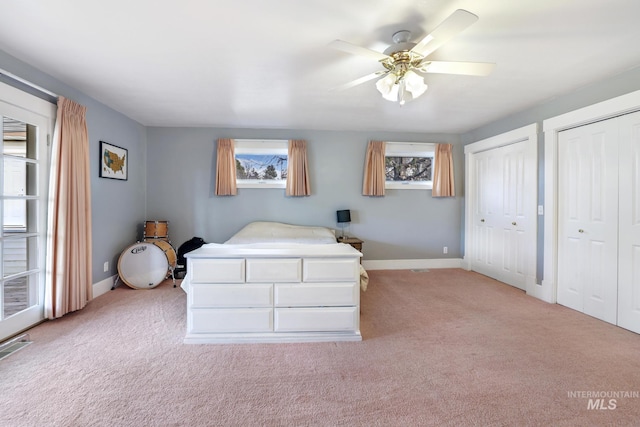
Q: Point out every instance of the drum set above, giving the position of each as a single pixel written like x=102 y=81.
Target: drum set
x=144 y=265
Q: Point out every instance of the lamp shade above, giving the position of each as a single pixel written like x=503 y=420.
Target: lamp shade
x=387 y=85
x=414 y=84
x=344 y=215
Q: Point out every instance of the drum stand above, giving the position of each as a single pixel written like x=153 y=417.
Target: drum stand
x=172 y=276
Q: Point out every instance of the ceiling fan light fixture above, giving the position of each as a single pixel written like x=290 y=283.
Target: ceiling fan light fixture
x=387 y=87
x=403 y=89
x=393 y=93
x=414 y=84
x=403 y=60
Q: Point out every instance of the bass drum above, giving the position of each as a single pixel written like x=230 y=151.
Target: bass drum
x=145 y=265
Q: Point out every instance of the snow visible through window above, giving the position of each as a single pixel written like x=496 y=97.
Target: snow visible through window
x=261 y=163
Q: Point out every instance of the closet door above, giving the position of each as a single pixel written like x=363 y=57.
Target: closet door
x=588 y=219
x=502 y=217
x=487 y=243
x=629 y=251
x=516 y=225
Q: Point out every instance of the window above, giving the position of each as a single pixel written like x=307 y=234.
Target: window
x=261 y=163
x=408 y=166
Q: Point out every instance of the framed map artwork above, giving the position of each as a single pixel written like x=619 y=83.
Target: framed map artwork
x=113 y=161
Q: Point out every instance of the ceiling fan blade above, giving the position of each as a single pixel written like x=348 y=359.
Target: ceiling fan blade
x=449 y=28
x=361 y=80
x=464 y=68
x=357 y=50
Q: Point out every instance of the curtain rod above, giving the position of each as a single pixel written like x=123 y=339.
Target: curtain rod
x=27 y=83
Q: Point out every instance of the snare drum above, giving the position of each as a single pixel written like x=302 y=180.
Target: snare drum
x=144 y=265
x=156 y=230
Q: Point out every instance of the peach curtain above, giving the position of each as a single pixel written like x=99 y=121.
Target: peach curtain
x=226 y=168
x=443 y=184
x=68 y=278
x=298 y=170
x=374 y=173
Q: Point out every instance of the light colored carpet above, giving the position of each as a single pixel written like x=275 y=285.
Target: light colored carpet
x=441 y=348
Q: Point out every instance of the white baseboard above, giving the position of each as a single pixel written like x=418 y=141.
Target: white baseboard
x=408 y=264
x=547 y=291
x=103 y=286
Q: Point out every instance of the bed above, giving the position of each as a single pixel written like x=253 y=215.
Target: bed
x=274 y=282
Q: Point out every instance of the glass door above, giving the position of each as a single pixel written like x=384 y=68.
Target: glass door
x=23 y=213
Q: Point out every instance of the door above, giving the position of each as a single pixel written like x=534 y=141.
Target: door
x=629 y=236
x=588 y=219
x=503 y=228
x=516 y=214
x=487 y=191
x=22 y=209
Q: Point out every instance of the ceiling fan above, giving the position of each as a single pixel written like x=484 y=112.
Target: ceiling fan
x=400 y=80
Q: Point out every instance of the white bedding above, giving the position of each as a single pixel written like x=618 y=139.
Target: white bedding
x=277 y=232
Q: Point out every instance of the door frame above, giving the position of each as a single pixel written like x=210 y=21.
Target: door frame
x=529 y=135
x=620 y=105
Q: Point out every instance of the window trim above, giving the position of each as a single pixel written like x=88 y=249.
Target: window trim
x=261 y=146
x=410 y=149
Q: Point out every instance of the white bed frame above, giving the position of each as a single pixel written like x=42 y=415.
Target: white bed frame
x=273 y=293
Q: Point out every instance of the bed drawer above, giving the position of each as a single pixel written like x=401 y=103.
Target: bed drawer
x=316 y=294
x=331 y=269
x=230 y=295
x=217 y=270
x=230 y=320
x=274 y=270
x=316 y=319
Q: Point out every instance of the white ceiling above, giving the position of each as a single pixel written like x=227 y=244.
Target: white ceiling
x=266 y=64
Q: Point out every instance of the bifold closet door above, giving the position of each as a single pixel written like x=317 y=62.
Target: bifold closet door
x=488 y=191
x=629 y=245
x=588 y=219
x=501 y=214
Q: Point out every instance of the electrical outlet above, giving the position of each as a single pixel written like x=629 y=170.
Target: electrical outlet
x=106 y=266
x=445 y=250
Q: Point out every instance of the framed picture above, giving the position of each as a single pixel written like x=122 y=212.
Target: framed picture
x=114 y=161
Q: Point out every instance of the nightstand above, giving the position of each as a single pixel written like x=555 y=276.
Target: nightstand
x=353 y=241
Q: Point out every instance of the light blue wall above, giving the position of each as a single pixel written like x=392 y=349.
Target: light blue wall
x=404 y=224
x=172 y=170
x=617 y=85
x=117 y=206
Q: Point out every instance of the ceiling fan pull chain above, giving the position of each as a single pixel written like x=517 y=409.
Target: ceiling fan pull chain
x=401 y=92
